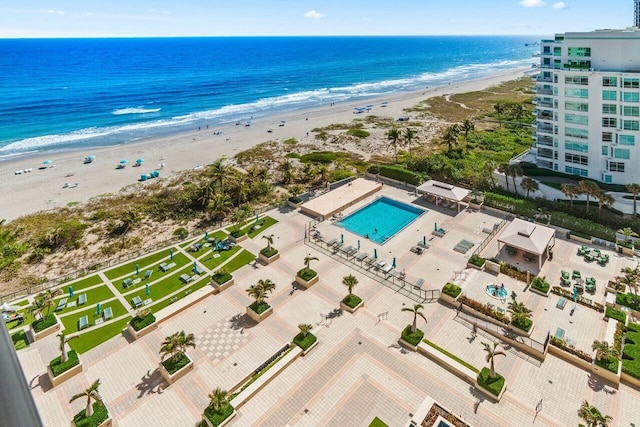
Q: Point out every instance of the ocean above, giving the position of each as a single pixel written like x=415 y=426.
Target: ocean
x=60 y=94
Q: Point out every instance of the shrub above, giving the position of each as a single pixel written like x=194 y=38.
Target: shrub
x=138 y=323
x=511 y=270
x=628 y=300
x=181 y=232
x=303 y=274
x=360 y=133
x=304 y=342
x=614 y=313
x=540 y=284
x=238 y=233
x=269 y=252
x=452 y=356
x=476 y=260
x=510 y=204
x=44 y=323
x=259 y=308
x=340 y=174
x=352 y=300
x=631 y=352
x=494 y=385
x=451 y=290
x=374 y=169
x=293 y=199
x=100 y=414
x=217 y=417
x=399 y=173
x=58 y=368
x=578 y=353
x=524 y=324
x=290 y=141
x=174 y=364
x=412 y=338
x=482 y=308
x=325 y=157
x=583 y=226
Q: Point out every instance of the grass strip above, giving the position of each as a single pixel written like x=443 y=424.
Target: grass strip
x=451 y=355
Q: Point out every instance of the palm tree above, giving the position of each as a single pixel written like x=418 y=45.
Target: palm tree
x=505 y=169
x=603 y=199
x=43 y=302
x=589 y=189
x=519 y=311
x=350 y=282
x=409 y=135
x=492 y=352
x=322 y=173
x=305 y=328
x=466 y=127
x=515 y=171
x=592 y=416
x=220 y=205
x=499 y=109
x=307 y=262
x=631 y=276
x=259 y=291
x=91 y=394
x=571 y=191
x=269 y=239
x=628 y=233
x=174 y=346
x=295 y=190
x=450 y=136
x=287 y=170
x=489 y=168
x=518 y=111
x=205 y=192
x=529 y=184
x=64 y=357
x=603 y=350
x=417 y=311
x=218 y=399
x=393 y=135
x=128 y=219
x=218 y=170
x=635 y=190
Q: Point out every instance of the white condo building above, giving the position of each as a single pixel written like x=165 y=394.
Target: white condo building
x=588 y=105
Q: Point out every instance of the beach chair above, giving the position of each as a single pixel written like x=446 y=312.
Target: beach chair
x=361 y=256
x=108 y=313
x=126 y=283
x=332 y=242
x=185 y=278
x=416 y=250
x=82 y=299
x=147 y=274
x=83 y=323
x=576 y=274
x=136 y=302
x=559 y=334
x=61 y=304
x=419 y=283
x=388 y=268
x=561 y=303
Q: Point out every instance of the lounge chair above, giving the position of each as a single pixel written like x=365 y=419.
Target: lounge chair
x=361 y=256
x=500 y=310
x=185 y=278
x=347 y=249
x=332 y=242
x=83 y=323
x=337 y=246
x=82 y=299
x=423 y=244
x=388 y=268
x=559 y=334
x=370 y=261
x=108 y=313
x=380 y=264
x=61 y=304
x=198 y=270
x=416 y=250
x=126 y=283
x=136 y=302
x=576 y=274
x=419 y=283
x=148 y=274
x=561 y=303
x=163 y=266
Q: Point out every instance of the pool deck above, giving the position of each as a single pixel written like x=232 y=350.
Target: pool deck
x=341 y=198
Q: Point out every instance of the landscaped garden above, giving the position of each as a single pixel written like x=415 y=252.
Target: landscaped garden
x=146 y=263
x=631 y=351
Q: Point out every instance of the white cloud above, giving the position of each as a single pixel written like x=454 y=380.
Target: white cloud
x=559 y=5
x=313 y=14
x=532 y=3
x=52 y=11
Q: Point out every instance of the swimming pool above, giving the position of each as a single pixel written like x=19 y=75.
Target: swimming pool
x=381 y=219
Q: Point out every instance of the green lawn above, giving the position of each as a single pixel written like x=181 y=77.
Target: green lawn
x=82 y=284
x=70 y=322
x=144 y=263
x=94 y=296
x=21 y=303
x=220 y=235
x=631 y=351
x=20 y=340
x=180 y=260
x=242 y=259
x=494 y=385
x=213 y=263
x=204 y=281
x=162 y=288
x=93 y=338
x=265 y=222
x=377 y=422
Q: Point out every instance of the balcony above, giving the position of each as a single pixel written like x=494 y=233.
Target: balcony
x=544 y=79
x=541 y=91
x=544 y=164
x=545 y=153
x=545 y=117
x=545 y=141
x=541 y=128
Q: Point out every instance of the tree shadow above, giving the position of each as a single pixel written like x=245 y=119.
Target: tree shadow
x=149 y=382
x=241 y=321
x=597 y=383
x=478 y=396
x=43 y=381
x=399 y=347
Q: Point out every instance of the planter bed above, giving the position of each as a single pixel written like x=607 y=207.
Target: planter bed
x=494 y=388
x=240 y=238
x=262 y=314
x=307 y=279
x=59 y=374
x=177 y=374
x=222 y=282
x=268 y=257
x=38 y=334
x=305 y=343
x=100 y=418
x=218 y=419
x=411 y=340
x=445 y=359
x=140 y=328
x=351 y=303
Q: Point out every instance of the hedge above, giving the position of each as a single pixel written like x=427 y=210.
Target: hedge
x=582 y=226
x=398 y=173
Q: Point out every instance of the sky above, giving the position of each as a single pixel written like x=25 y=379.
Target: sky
x=156 y=18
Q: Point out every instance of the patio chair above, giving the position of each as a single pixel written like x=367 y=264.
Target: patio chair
x=82 y=299
x=108 y=313
x=565 y=281
x=589 y=257
x=136 y=302
x=419 y=283
x=148 y=274
x=576 y=274
x=565 y=274
x=83 y=323
x=61 y=304
x=126 y=283
x=561 y=303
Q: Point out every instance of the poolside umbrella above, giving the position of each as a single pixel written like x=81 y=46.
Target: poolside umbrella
x=256 y=218
x=342 y=238
x=195 y=266
x=171 y=254
x=98 y=309
x=47 y=162
x=358 y=244
x=140 y=160
x=394 y=262
x=375 y=253
x=424 y=240
x=575 y=294
x=70 y=291
x=147 y=290
x=435 y=226
x=137 y=269
x=206 y=236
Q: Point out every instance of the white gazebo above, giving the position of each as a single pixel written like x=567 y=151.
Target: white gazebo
x=443 y=191
x=531 y=238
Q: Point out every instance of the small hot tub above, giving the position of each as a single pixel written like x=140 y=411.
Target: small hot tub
x=496 y=291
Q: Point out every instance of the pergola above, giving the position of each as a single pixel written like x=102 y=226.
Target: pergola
x=531 y=238
x=443 y=191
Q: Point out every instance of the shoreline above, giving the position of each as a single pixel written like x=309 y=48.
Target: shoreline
x=43 y=189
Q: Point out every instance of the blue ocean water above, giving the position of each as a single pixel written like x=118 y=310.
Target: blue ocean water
x=58 y=94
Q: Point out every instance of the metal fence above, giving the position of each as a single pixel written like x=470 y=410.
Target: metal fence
x=489 y=237
x=84 y=271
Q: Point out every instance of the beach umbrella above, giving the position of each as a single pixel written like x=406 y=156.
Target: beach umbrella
x=424 y=240
x=47 y=162
x=140 y=160
x=358 y=244
x=147 y=290
x=375 y=253
x=342 y=238
x=137 y=269
x=124 y=161
x=256 y=218
x=195 y=266
x=70 y=291
x=206 y=235
x=394 y=262
x=171 y=254
x=435 y=226
x=98 y=309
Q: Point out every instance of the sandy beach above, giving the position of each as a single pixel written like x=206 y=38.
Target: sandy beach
x=43 y=189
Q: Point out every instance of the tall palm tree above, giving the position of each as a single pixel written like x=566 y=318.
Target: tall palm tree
x=91 y=394
x=489 y=168
x=393 y=135
x=350 y=282
x=631 y=278
x=499 y=109
x=518 y=111
x=219 y=205
x=307 y=262
x=592 y=416
x=260 y=290
x=287 y=170
x=43 y=302
x=505 y=169
x=589 y=189
x=603 y=350
x=205 y=192
x=218 y=399
x=450 y=136
x=174 y=346
x=417 y=311
x=571 y=191
x=269 y=239
x=322 y=173
x=467 y=126
x=519 y=311
x=628 y=233
x=219 y=171
x=604 y=199
x=515 y=171
x=492 y=352
x=64 y=357
x=529 y=184
x=635 y=190
x=409 y=135
x=305 y=328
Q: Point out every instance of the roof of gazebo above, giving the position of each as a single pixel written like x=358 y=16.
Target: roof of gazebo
x=529 y=237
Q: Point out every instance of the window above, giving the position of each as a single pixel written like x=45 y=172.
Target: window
x=576 y=158
x=576 y=80
x=577 y=106
x=609 y=109
x=630 y=83
x=577 y=119
x=570 y=92
x=605 y=150
x=627 y=140
x=621 y=153
x=557 y=51
x=580 y=51
x=607 y=179
x=630 y=125
x=616 y=166
x=576 y=146
x=576 y=171
x=607 y=137
x=631 y=111
x=609 y=122
x=576 y=133
x=610 y=81
x=631 y=97
x=609 y=95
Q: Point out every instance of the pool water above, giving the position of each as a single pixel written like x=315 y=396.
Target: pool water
x=381 y=219
x=496 y=291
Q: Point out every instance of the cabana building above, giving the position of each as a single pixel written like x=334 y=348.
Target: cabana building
x=444 y=194
x=533 y=240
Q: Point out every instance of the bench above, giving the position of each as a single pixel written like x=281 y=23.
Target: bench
x=108 y=313
x=126 y=283
x=167 y=267
x=83 y=323
x=136 y=302
x=419 y=283
x=82 y=299
x=186 y=278
x=148 y=301
x=61 y=304
x=148 y=274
